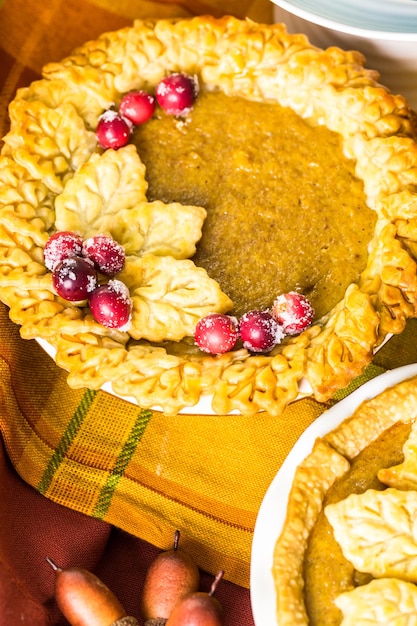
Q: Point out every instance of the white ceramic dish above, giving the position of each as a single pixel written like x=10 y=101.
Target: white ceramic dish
x=385 y=31
x=272 y=512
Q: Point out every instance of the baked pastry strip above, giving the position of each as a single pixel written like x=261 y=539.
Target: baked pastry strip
x=313 y=478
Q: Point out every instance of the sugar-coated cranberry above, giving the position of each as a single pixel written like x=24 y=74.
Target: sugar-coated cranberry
x=61 y=245
x=137 y=106
x=293 y=311
x=113 y=130
x=177 y=93
x=111 y=306
x=259 y=331
x=216 y=333
x=74 y=278
x=107 y=254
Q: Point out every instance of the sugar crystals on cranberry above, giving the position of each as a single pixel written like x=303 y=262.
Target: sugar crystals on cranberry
x=137 y=106
x=107 y=254
x=113 y=130
x=74 y=278
x=61 y=245
x=293 y=311
x=177 y=93
x=259 y=331
x=216 y=333
x=111 y=306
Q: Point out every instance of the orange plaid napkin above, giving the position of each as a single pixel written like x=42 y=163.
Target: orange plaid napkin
x=135 y=469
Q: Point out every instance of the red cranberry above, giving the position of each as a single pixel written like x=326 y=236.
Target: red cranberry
x=74 y=278
x=113 y=130
x=107 y=255
x=293 y=311
x=259 y=331
x=111 y=305
x=137 y=106
x=216 y=333
x=61 y=245
x=176 y=93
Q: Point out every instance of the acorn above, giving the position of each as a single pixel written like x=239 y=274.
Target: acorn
x=85 y=600
x=172 y=575
x=198 y=609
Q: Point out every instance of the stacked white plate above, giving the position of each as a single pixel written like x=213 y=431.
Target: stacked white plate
x=384 y=30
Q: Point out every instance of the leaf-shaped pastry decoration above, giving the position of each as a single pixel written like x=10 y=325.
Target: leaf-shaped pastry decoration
x=51 y=143
x=28 y=198
x=159 y=229
x=404 y=475
x=377 y=531
x=169 y=296
x=103 y=186
x=384 y=602
x=90 y=97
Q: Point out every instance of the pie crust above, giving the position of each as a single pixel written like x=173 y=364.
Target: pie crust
x=330 y=460
x=52 y=135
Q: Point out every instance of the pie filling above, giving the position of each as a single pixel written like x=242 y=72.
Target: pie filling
x=285 y=211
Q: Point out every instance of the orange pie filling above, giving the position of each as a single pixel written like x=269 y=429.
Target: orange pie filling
x=285 y=211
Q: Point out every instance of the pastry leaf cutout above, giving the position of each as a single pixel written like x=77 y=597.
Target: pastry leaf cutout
x=377 y=531
x=158 y=228
x=169 y=296
x=103 y=186
x=383 y=602
x=51 y=143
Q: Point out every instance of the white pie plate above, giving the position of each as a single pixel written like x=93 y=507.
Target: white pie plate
x=272 y=512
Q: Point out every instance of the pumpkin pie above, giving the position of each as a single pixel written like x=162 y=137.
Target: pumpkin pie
x=347 y=551
x=295 y=170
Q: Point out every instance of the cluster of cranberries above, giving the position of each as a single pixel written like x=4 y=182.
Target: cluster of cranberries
x=75 y=265
x=175 y=94
x=259 y=331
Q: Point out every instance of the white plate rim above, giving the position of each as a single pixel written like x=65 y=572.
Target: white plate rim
x=270 y=518
x=321 y=16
